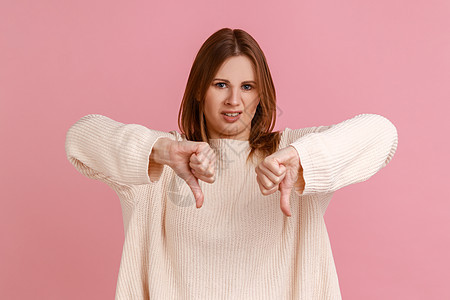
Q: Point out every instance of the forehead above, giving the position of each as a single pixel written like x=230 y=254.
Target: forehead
x=236 y=68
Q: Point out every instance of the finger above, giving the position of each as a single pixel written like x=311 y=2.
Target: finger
x=204 y=177
x=284 y=201
x=193 y=184
x=269 y=174
x=203 y=154
x=271 y=181
x=202 y=169
x=195 y=158
x=206 y=170
x=205 y=166
x=283 y=170
x=212 y=171
x=261 y=186
x=199 y=157
x=265 y=182
x=273 y=166
x=264 y=190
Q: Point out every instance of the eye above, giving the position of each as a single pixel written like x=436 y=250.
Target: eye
x=221 y=84
x=247 y=87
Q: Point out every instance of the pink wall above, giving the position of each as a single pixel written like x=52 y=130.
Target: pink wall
x=61 y=233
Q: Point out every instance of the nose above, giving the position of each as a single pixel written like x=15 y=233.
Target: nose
x=235 y=97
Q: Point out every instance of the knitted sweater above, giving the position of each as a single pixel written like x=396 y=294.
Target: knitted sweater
x=239 y=244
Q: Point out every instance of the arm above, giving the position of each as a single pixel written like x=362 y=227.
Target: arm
x=103 y=149
x=159 y=157
x=346 y=153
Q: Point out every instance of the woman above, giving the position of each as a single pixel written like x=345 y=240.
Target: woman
x=235 y=243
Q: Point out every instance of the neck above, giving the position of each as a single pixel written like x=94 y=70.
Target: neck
x=229 y=151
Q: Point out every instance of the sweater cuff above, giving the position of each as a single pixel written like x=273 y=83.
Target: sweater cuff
x=155 y=169
x=312 y=151
x=137 y=162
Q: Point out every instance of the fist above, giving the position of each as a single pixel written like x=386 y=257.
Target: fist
x=193 y=161
x=279 y=171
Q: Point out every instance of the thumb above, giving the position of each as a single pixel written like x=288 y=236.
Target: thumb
x=193 y=184
x=284 y=200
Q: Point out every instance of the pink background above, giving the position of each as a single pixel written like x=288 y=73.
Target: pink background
x=61 y=233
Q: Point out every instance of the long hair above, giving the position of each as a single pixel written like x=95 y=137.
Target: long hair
x=221 y=45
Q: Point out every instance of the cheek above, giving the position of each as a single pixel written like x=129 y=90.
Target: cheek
x=211 y=100
x=211 y=108
x=208 y=112
x=252 y=104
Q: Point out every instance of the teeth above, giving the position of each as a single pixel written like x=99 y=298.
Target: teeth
x=232 y=115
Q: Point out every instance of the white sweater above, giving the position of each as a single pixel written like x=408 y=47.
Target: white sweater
x=239 y=244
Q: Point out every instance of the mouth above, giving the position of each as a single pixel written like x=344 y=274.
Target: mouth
x=231 y=113
x=231 y=116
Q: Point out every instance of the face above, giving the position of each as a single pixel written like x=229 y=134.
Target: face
x=233 y=89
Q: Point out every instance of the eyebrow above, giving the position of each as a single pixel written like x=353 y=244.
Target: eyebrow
x=247 y=81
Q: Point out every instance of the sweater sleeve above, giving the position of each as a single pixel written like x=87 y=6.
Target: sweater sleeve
x=104 y=149
x=345 y=153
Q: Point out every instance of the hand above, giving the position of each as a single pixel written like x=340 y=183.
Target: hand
x=279 y=171
x=192 y=161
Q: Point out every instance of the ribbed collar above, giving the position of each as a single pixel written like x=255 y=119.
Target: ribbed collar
x=230 y=150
